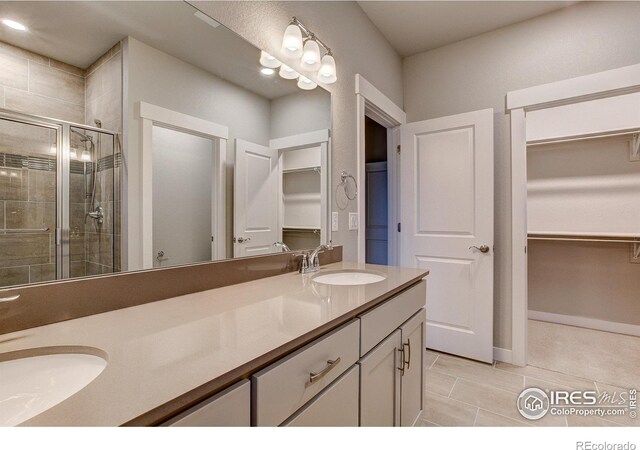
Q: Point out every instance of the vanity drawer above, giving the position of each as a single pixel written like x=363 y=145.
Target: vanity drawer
x=281 y=389
x=229 y=408
x=337 y=406
x=380 y=322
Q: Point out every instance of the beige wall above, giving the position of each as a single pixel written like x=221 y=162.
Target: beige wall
x=477 y=73
x=358 y=47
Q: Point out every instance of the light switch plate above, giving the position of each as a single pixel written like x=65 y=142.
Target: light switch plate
x=353 y=221
x=334 y=221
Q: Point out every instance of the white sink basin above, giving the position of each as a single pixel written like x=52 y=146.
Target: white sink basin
x=348 y=278
x=31 y=385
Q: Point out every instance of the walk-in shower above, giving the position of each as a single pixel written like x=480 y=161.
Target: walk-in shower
x=59 y=208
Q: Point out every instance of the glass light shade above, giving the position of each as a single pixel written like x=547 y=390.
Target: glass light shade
x=266 y=60
x=327 y=73
x=288 y=73
x=292 y=42
x=306 y=84
x=85 y=156
x=73 y=153
x=53 y=150
x=311 y=55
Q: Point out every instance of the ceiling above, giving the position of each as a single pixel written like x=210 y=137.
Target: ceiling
x=78 y=33
x=417 y=26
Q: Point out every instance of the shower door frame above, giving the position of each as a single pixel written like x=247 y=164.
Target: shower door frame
x=63 y=172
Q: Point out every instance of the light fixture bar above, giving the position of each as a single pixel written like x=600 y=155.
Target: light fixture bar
x=309 y=34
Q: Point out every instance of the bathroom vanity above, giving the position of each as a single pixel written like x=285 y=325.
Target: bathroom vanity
x=283 y=350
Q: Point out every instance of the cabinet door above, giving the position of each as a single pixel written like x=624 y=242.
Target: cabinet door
x=380 y=384
x=336 y=406
x=229 y=408
x=412 y=379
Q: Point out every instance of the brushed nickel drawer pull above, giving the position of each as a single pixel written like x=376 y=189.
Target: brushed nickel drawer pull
x=10 y=299
x=313 y=377
x=401 y=368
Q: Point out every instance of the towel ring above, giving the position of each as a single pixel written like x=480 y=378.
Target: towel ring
x=344 y=184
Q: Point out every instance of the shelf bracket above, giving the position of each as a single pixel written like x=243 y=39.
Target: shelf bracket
x=636 y=250
x=634 y=148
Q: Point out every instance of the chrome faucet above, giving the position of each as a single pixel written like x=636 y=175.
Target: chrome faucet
x=283 y=246
x=310 y=260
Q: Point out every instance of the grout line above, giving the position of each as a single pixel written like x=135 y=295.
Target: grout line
x=476 y=418
x=454 y=385
x=505 y=417
x=434 y=361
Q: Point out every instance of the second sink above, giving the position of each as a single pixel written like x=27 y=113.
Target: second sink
x=348 y=277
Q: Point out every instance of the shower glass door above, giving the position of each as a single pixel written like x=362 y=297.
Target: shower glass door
x=91 y=202
x=28 y=202
x=58 y=208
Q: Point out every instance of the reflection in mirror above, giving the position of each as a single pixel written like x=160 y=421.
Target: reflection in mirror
x=139 y=135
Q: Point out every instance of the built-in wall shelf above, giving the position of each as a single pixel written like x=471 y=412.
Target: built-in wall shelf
x=302 y=169
x=315 y=230
x=584 y=237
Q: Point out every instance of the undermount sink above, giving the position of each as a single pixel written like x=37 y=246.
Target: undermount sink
x=348 y=277
x=32 y=384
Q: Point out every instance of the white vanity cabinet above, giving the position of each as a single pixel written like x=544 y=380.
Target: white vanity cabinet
x=392 y=373
x=380 y=384
x=229 y=408
x=367 y=372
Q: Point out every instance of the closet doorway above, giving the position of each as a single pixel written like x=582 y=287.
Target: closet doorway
x=576 y=226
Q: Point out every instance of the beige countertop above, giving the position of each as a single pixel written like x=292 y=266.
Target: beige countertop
x=167 y=355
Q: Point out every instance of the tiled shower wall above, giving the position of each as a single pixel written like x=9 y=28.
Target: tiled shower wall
x=35 y=84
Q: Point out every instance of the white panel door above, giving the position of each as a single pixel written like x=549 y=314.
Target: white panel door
x=255 y=203
x=447 y=227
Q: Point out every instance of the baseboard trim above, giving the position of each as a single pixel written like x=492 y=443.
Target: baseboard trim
x=586 y=322
x=503 y=355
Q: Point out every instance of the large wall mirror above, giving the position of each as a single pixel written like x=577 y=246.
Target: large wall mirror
x=139 y=135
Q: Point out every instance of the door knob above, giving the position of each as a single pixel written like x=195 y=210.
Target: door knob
x=482 y=248
x=241 y=240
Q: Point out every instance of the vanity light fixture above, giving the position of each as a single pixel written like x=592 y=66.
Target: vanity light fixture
x=327 y=73
x=269 y=61
x=310 y=49
x=13 y=24
x=292 y=40
x=306 y=84
x=311 y=55
x=288 y=73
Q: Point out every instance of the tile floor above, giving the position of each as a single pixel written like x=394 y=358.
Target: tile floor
x=461 y=392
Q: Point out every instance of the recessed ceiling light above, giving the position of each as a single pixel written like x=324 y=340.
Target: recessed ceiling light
x=13 y=24
x=267 y=71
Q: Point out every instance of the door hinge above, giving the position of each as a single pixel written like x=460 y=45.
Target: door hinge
x=211 y=238
x=398 y=148
x=399 y=227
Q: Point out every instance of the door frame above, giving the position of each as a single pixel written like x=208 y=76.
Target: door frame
x=372 y=103
x=153 y=115
x=610 y=83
